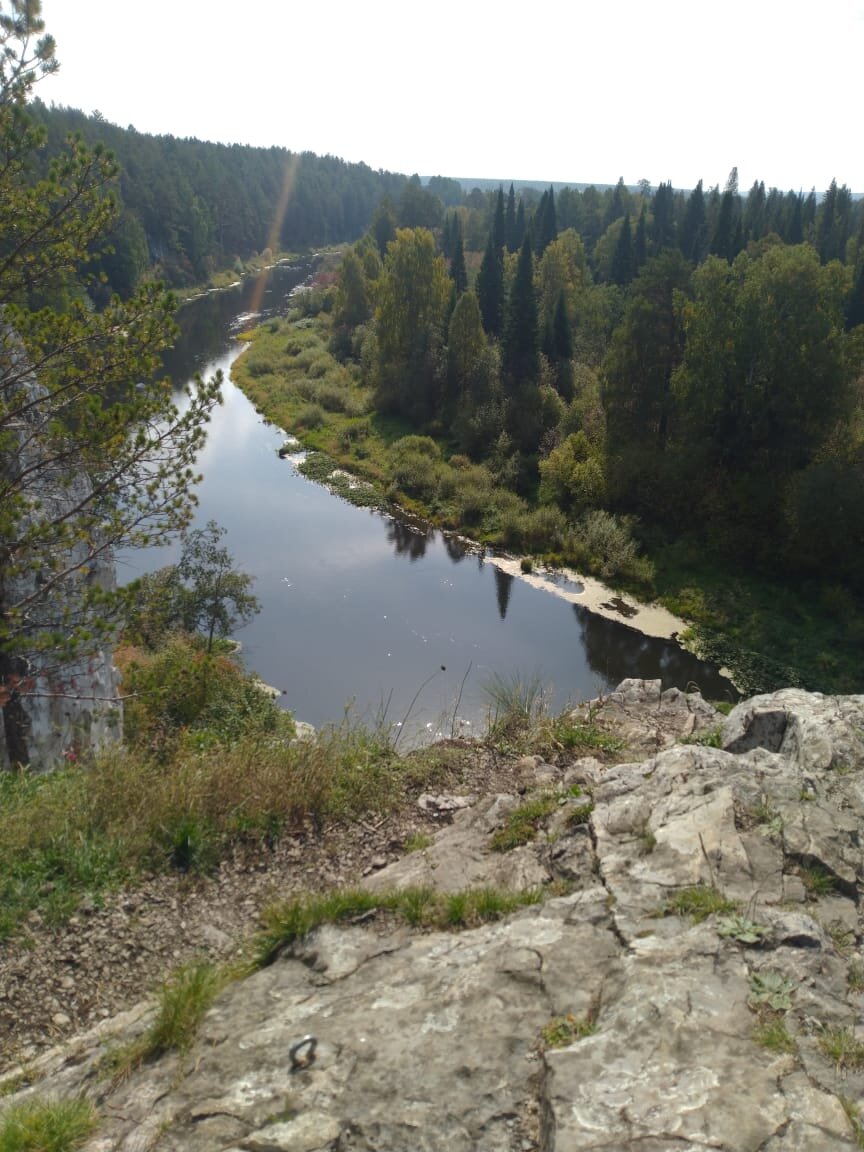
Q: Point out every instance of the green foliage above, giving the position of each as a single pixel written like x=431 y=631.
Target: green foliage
x=523 y=823
x=517 y=703
x=843 y=1049
x=738 y=927
x=204 y=592
x=771 y=989
x=570 y=735
x=699 y=903
x=39 y=1125
x=562 y=1031
x=288 y=923
x=89 y=463
x=817 y=880
x=182 y=690
x=771 y=1033
x=604 y=544
x=182 y=1002
x=709 y=738
x=417 y=842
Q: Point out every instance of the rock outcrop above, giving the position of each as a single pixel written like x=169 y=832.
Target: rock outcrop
x=693 y=980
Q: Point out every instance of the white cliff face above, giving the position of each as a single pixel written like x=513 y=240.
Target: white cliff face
x=71 y=708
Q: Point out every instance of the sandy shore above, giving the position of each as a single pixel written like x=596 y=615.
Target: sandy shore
x=650 y=619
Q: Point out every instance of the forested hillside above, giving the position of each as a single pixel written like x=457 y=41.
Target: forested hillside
x=191 y=207
x=581 y=374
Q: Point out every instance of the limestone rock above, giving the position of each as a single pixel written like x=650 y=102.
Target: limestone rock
x=673 y=1000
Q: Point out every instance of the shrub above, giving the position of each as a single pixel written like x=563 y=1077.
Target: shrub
x=310 y=416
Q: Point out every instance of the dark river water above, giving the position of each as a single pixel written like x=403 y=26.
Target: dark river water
x=358 y=610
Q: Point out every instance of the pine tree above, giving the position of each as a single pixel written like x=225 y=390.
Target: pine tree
x=88 y=464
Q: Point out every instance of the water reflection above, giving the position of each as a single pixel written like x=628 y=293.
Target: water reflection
x=503 y=587
x=617 y=652
x=408 y=539
x=457 y=549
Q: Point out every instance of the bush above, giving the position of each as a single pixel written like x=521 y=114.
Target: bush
x=310 y=416
x=604 y=544
x=184 y=689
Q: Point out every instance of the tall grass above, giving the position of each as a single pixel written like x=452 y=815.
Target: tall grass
x=91 y=827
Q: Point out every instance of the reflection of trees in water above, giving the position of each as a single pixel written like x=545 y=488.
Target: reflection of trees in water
x=407 y=540
x=456 y=549
x=503 y=588
x=616 y=652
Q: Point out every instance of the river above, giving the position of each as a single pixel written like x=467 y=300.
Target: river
x=360 y=611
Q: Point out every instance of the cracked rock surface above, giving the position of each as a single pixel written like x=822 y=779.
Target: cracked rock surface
x=699 y=984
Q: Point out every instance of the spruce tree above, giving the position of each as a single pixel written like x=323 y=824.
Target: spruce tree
x=640 y=241
x=510 y=221
x=693 y=227
x=622 y=260
x=490 y=289
x=499 y=231
x=520 y=345
x=458 y=273
x=663 y=230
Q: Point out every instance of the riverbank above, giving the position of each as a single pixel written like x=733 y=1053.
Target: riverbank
x=769 y=634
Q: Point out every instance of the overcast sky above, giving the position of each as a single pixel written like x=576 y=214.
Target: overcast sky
x=573 y=90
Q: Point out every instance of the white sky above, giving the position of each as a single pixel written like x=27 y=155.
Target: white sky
x=573 y=90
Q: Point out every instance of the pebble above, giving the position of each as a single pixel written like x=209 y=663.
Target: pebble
x=60 y=1020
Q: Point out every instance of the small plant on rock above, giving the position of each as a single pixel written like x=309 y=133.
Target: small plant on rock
x=770 y=1032
x=523 y=823
x=39 y=1125
x=737 y=927
x=562 y=1031
x=771 y=989
x=843 y=1048
x=817 y=880
x=699 y=903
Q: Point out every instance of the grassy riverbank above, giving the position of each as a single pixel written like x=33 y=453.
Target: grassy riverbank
x=769 y=634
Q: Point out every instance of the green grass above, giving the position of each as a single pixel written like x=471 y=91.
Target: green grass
x=853 y=1112
x=183 y=1000
x=855 y=976
x=523 y=823
x=699 y=903
x=571 y=736
x=843 y=1049
x=562 y=1031
x=817 y=880
x=771 y=1033
x=416 y=842
x=93 y=827
x=289 y=922
x=771 y=635
x=41 y=1125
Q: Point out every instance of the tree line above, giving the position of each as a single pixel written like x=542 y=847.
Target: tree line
x=688 y=358
x=189 y=208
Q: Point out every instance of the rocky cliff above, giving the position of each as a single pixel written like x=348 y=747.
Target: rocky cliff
x=693 y=978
